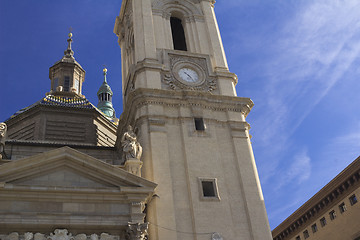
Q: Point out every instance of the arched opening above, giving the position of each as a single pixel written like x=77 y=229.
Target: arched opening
x=178 y=34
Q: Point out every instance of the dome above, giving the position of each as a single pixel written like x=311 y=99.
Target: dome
x=105 y=88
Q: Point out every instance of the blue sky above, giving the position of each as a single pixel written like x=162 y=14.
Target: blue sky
x=297 y=60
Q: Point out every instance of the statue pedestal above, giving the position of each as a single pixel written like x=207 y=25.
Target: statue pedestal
x=133 y=166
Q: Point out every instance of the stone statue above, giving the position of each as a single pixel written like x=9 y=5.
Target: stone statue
x=3 y=131
x=131 y=147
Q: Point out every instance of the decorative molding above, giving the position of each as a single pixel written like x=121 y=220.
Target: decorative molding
x=137 y=231
x=171 y=80
x=187 y=8
x=59 y=234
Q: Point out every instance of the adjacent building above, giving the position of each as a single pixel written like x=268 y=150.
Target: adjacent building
x=333 y=213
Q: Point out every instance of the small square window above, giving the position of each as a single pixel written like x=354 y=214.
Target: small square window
x=332 y=215
x=353 y=200
x=342 y=207
x=209 y=189
x=314 y=228
x=323 y=222
x=306 y=234
x=298 y=238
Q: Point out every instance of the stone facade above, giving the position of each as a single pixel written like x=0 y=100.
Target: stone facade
x=190 y=123
x=185 y=170
x=333 y=213
x=67 y=188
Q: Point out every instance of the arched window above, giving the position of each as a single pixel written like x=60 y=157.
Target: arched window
x=178 y=34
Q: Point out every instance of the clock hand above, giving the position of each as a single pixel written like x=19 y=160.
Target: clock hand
x=189 y=76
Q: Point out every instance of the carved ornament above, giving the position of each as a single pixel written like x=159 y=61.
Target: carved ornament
x=166 y=7
x=58 y=234
x=172 y=80
x=3 y=134
x=137 y=231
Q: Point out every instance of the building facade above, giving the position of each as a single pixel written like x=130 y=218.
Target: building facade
x=177 y=165
x=333 y=213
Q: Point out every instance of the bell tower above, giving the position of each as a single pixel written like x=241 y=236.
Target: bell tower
x=180 y=97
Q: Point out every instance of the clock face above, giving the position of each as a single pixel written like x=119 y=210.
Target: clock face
x=188 y=75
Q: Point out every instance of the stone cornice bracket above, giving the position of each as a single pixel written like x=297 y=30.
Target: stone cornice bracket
x=137 y=231
x=3 y=135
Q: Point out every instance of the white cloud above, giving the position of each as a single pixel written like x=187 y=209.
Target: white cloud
x=299 y=170
x=309 y=55
x=316 y=48
x=342 y=150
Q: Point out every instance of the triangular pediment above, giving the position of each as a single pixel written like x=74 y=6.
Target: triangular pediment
x=67 y=168
x=65 y=177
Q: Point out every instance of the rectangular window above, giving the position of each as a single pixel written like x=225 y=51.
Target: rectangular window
x=314 y=228
x=323 y=222
x=306 y=234
x=76 y=85
x=209 y=189
x=342 y=207
x=199 y=124
x=298 y=238
x=66 y=84
x=353 y=200
x=332 y=215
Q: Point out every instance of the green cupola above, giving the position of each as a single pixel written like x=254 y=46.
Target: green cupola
x=105 y=98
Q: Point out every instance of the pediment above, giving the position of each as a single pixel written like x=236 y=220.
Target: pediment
x=64 y=177
x=71 y=169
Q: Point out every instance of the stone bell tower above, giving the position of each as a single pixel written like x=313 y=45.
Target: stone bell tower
x=180 y=97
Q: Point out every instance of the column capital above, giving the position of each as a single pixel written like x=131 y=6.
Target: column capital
x=137 y=231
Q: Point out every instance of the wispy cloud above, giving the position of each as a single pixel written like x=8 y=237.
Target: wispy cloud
x=309 y=55
x=299 y=170
x=342 y=150
x=313 y=52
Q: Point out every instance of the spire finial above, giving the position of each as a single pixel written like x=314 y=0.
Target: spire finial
x=69 y=52
x=105 y=73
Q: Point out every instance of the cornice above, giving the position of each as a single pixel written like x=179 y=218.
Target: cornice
x=56 y=144
x=334 y=191
x=143 y=96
